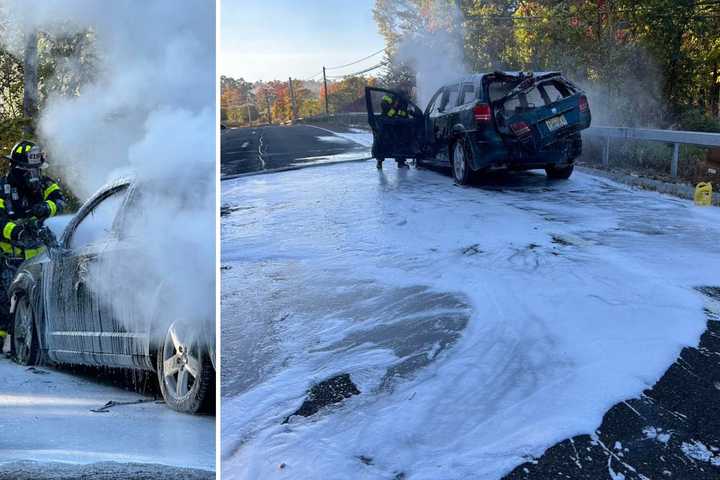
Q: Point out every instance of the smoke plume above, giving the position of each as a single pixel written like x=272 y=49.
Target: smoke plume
x=149 y=112
x=435 y=50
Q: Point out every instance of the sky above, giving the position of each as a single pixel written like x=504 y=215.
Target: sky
x=277 y=39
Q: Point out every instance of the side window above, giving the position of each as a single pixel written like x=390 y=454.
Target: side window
x=434 y=105
x=451 y=97
x=97 y=224
x=467 y=93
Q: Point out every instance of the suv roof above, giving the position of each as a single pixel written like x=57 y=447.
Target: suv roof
x=475 y=77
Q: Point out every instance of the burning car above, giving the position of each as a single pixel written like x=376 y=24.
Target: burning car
x=488 y=121
x=62 y=316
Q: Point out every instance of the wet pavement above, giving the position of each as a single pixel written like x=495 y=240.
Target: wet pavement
x=252 y=149
x=28 y=470
x=42 y=404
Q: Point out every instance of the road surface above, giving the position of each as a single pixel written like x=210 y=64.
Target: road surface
x=48 y=418
x=245 y=150
x=481 y=325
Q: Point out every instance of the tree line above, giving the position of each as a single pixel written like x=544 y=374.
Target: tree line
x=646 y=62
x=34 y=66
x=243 y=102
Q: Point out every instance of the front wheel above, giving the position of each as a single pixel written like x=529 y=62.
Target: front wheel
x=460 y=161
x=185 y=371
x=559 y=173
x=25 y=341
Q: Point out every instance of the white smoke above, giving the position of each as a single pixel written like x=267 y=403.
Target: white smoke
x=150 y=111
x=435 y=50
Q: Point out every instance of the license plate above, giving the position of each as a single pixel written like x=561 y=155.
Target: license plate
x=556 y=122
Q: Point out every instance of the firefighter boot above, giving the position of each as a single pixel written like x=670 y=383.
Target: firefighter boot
x=379 y=163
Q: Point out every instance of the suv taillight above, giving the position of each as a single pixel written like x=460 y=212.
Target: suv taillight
x=520 y=129
x=482 y=112
x=583 y=103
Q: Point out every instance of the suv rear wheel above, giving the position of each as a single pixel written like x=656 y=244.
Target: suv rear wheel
x=560 y=173
x=185 y=372
x=460 y=156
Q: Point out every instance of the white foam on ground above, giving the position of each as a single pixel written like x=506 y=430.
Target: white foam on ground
x=361 y=137
x=47 y=418
x=581 y=294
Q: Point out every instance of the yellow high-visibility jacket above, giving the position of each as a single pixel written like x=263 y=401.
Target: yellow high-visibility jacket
x=16 y=204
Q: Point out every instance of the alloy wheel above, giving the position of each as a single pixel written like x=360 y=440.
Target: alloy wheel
x=181 y=362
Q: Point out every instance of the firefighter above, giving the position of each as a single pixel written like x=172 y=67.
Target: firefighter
x=395 y=108
x=27 y=198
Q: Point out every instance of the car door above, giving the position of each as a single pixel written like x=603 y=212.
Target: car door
x=434 y=139
x=394 y=137
x=441 y=117
x=133 y=321
x=83 y=329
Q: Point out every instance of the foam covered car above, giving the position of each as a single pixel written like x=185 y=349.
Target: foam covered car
x=88 y=302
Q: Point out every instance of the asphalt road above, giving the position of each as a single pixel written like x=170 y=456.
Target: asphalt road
x=245 y=150
x=27 y=470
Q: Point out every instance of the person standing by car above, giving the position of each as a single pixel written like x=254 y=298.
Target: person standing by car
x=27 y=198
x=394 y=107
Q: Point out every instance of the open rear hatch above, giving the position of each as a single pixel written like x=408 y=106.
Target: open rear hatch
x=536 y=111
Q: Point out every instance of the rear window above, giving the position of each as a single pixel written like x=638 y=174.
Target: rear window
x=534 y=98
x=556 y=91
x=497 y=90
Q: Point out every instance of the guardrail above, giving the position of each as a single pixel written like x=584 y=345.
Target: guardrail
x=676 y=137
x=351 y=118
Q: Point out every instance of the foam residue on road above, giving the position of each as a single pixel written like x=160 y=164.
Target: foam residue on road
x=356 y=135
x=47 y=417
x=552 y=302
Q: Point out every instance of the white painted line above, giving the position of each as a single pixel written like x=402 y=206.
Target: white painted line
x=260 y=154
x=245 y=144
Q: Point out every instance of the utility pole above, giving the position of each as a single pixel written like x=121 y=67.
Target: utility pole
x=269 y=113
x=249 y=116
x=327 y=110
x=292 y=99
x=30 y=80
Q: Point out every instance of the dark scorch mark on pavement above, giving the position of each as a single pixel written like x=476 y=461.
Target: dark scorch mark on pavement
x=671 y=431
x=328 y=392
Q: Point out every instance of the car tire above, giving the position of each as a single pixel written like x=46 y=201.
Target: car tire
x=560 y=173
x=185 y=371
x=460 y=155
x=25 y=345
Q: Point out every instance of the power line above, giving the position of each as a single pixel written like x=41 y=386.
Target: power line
x=369 y=69
x=356 y=61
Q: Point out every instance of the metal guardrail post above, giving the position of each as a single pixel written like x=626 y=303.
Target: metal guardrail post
x=606 y=152
x=676 y=155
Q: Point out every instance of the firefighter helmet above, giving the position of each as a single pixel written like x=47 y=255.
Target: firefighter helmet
x=26 y=154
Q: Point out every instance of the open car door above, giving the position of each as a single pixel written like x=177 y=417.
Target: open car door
x=537 y=110
x=394 y=136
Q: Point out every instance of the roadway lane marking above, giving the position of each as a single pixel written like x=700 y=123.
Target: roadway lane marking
x=260 y=153
x=245 y=144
